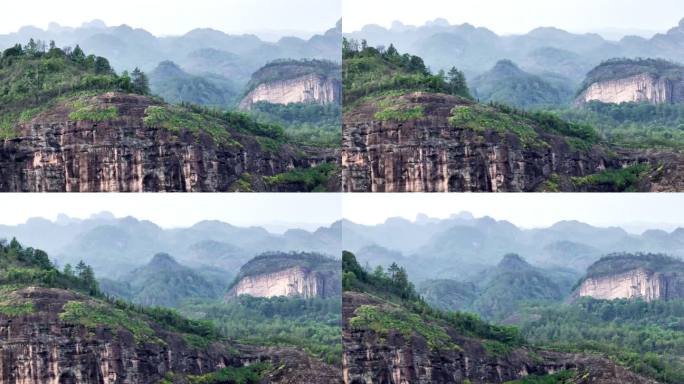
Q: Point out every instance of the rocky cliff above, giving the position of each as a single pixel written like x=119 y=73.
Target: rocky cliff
x=44 y=343
x=642 y=80
x=427 y=153
x=306 y=275
x=311 y=88
x=292 y=282
x=371 y=357
x=120 y=149
x=647 y=277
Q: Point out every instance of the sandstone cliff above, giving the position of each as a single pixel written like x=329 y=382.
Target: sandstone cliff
x=306 y=275
x=60 y=151
x=40 y=346
x=312 y=88
x=374 y=358
x=647 y=277
x=291 y=282
x=641 y=80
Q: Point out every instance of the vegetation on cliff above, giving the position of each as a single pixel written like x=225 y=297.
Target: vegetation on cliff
x=407 y=312
x=305 y=123
x=617 y=263
x=312 y=325
x=620 y=68
x=286 y=69
x=34 y=76
x=271 y=262
x=370 y=71
x=646 y=337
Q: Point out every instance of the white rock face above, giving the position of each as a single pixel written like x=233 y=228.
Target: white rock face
x=635 y=284
x=291 y=282
x=639 y=88
x=305 y=89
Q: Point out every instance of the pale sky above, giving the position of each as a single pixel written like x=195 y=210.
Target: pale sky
x=179 y=209
x=175 y=17
x=519 y=16
x=529 y=210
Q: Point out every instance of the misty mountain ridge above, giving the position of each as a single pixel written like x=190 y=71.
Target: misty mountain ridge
x=116 y=246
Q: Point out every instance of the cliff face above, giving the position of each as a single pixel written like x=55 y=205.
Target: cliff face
x=639 y=283
x=643 y=87
x=430 y=155
x=40 y=348
x=54 y=153
x=370 y=358
x=312 y=88
x=292 y=282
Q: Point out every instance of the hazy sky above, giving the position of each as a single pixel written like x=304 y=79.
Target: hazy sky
x=524 y=209
x=519 y=16
x=178 y=209
x=174 y=17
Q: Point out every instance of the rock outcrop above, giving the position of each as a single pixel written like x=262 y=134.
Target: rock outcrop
x=371 y=358
x=41 y=348
x=431 y=155
x=646 y=277
x=55 y=153
x=644 y=87
x=311 y=88
x=295 y=281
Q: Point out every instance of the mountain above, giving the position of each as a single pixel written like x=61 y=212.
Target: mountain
x=498 y=292
x=654 y=81
x=435 y=139
x=163 y=282
x=506 y=83
x=129 y=141
x=200 y=51
x=62 y=329
x=305 y=275
x=390 y=334
x=634 y=276
x=176 y=86
x=116 y=246
x=294 y=81
x=545 y=50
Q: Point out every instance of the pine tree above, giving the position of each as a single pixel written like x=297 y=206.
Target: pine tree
x=140 y=82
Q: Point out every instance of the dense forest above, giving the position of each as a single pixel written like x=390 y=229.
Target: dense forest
x=367 y=71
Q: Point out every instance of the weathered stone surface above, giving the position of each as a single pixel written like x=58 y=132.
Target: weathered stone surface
x=431 y=155
x=370 y=359
x=312 y=88
x=292 y=282
x=644 y=87
x=639 y=283
x=39 y=348
x=56 y=154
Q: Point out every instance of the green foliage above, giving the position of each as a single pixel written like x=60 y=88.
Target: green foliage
x=620 y=68
x=16 y=309
x=395 y=287
x=480 y=118
x=562 y=377
x=248 y=374
x=177 y=119
x=310 y=324
x=646 y=337
x=94 y=113
x=617 y=263
x=368 y=71
x=31 y=78
x=270 y=262
x=383 y=320
x=633 y=125
x=92 y=315
x=285 y=69
x=620 y=180
x=305 y=123
x=313 y=179
x=399 y=113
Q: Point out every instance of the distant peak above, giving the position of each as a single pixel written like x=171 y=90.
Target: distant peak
x=513 y=261
x=97 y=23
x=163 y=260
x=104 y=215
x=463 y=215
x=438 y=22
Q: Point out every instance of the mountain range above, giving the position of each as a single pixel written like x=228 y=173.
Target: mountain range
x=116 y=246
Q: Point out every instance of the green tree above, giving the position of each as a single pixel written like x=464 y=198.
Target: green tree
x=457 y=83
x=140 y=82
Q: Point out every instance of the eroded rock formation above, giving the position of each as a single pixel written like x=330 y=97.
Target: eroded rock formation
x=643 y=87
x=312 y=88
x=371 y=358
x=639 y=283
x=40 y=348
x=54 y=153
x=295 y=281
